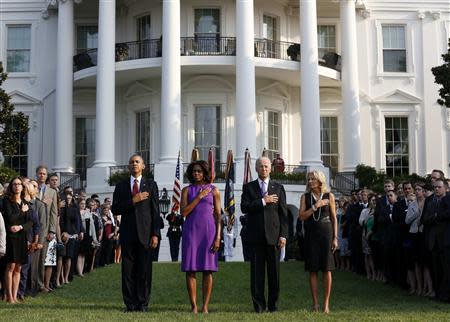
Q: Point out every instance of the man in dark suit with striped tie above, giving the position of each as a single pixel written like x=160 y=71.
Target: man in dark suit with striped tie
x=136 y=200
x=264 y=202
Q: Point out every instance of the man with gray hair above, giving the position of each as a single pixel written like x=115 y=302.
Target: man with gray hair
x=264 y=202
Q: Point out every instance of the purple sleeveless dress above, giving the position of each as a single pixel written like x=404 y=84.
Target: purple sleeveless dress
x=199 y=232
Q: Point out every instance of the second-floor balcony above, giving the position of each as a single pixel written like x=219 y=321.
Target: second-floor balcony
x=203 y=46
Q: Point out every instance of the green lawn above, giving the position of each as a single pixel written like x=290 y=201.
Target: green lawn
x=98 y=297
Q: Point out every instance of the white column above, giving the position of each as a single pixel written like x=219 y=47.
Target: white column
x=105 y=110
x=170 y=83
x=245 y=115
x=350 y=88
x=64 y=152
x=310 y=98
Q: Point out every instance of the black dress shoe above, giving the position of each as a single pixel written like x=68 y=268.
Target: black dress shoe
x=142 y=309
x=129 y=309
x=273 y=309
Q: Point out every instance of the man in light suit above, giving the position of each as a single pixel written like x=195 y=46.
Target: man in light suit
x=136 y=200
x=264 y=202
x=49 y=197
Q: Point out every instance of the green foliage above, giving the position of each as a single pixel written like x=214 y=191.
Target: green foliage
x=372 y=179
x=97 y=297
x=122 y=175
x=12 y=124
x=289 y=178
x=442 y=77
x=6 y=174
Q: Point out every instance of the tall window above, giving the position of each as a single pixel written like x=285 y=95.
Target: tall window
x=18 y=50
x=326 y=37
x=143 y=135
x=87 y=38
x=84 y=145
x=394 y=48
x=144 y=36
x=397 y=147
x=19 y=161
x=273 y=133
x=207 y=130
x=329 y=143
x=270 y=34
x=207 y=29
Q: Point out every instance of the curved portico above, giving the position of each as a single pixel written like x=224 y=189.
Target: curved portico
x=250 y=62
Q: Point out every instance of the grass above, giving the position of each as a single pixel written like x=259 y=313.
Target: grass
x=97 y=297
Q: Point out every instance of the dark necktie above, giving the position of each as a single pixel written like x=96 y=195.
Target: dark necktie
x=135 y=188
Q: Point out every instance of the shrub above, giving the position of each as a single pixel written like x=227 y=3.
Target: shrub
x=122 y=175
x=371 y=178
x=6 y=174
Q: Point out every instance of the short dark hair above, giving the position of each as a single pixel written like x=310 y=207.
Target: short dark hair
x=441 y=173
x=444 y=182
x=407 y=182
x=53 y=174
x=205 y=169
x=41 y=166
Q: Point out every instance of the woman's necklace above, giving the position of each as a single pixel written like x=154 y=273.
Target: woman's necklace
x=320 y=209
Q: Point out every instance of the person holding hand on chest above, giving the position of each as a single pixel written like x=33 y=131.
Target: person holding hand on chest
x=264 y=202
x=318 y=211
x=136 y=199
x=200 y=205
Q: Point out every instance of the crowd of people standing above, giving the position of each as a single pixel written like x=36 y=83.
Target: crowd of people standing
x=51 y=235
x=401 y=237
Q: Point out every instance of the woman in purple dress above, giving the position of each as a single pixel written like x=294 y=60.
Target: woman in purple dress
x=200 y=205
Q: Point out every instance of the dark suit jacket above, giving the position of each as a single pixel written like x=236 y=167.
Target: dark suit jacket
x=140 y=221
x=443 y=221
x=264 y=224
x=381 y=218
x=428 y=219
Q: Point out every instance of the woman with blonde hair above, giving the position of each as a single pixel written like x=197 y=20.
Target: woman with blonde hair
x=318 y=211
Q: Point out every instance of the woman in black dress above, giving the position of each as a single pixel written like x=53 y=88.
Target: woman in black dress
x=71 y=232
x=318 y=211
x=17 y=223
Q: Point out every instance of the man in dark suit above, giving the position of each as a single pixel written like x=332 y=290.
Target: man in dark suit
x=136 y=200
x=434 y=234
x=443 y=223
x=264 y=202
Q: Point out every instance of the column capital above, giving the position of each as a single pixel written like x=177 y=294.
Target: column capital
x=436 y=15
x=420 y=15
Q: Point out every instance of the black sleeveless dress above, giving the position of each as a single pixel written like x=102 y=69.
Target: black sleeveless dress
x=318 y=237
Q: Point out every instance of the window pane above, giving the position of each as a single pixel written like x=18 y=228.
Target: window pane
x=18 y=51
x=394 y=48
x=143 y=135
x=84 y=145
x=269 y=28
x=19 y=161
x=208 y=130
x=329 y=142
x=143 y=28
x=87 y=37
x=326 y=37
x=397 y=147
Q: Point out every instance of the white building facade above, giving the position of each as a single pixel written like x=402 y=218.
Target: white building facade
x=320 y=81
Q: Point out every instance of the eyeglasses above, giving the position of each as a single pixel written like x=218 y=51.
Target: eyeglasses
x=197 y=170
x=17 y=184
